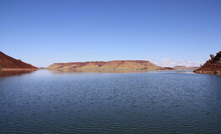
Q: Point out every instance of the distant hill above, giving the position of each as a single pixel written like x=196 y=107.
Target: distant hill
x=101 y=65
x=9 y=63
x=184 y=68
x=180 y=68
x=212 y=66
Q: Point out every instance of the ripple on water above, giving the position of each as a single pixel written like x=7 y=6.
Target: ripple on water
x=105 y=102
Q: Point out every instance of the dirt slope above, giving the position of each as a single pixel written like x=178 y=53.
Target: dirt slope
x=212 y=66
x=9 y=63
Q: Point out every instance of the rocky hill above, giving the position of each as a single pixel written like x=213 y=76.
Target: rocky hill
x=212 y=66
x=110 y=65
x=9 y=63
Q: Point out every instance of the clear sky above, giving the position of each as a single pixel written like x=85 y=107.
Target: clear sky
x=166 y=32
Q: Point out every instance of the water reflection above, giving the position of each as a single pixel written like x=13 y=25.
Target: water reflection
x=63 y=71
x=155 y=102
x=14 y=73
x=95 y=71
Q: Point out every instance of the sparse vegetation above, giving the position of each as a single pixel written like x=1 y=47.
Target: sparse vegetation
x=212 y=56
x=212 y=66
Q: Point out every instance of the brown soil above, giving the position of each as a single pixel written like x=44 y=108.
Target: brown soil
x=212 y=66
x=9 y=63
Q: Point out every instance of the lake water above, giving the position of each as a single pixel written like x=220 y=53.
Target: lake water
x=100 y=102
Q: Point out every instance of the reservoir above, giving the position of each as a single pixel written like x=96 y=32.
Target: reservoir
x=110 y=102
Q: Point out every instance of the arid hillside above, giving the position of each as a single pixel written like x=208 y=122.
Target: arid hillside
x=117 y=65
x=9 y=63
x=212 y=66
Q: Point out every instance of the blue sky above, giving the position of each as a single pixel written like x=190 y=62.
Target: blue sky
x=166 y=32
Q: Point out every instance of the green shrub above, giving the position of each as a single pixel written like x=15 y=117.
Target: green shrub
x=212 y=56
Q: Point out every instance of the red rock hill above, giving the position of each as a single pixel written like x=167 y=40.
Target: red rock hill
x=116 y=65
x=9 y=63
x=212 y=66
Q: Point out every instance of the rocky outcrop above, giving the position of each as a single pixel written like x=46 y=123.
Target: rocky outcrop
x=212 y=66
x=110 y=65
x=9 y=63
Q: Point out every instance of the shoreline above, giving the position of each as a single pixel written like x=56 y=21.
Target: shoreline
x=18 y=69
x=208 y=72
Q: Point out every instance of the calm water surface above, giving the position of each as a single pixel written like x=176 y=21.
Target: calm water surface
x=98 y=102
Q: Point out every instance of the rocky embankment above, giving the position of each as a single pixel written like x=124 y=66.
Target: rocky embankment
x=9 y=63
x=110 y=65
x=212 y=66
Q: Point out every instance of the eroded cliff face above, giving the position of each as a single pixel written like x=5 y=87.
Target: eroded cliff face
x=117 y=65
x=212 y=66
x=9 y=63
